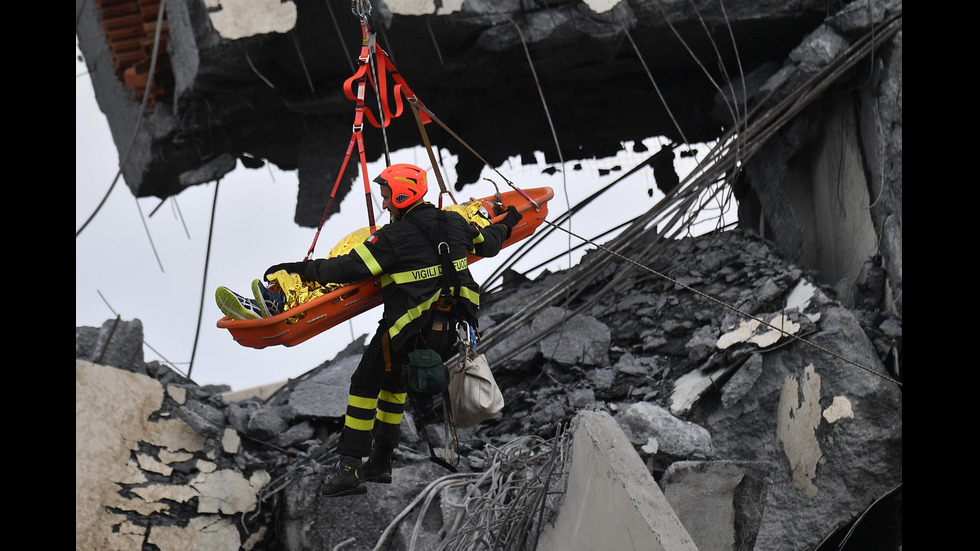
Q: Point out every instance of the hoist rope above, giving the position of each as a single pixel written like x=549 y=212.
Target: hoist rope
x=373 y=79
x=443 y=190
x=462 y=142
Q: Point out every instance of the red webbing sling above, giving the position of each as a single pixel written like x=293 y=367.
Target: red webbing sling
x=354 y=88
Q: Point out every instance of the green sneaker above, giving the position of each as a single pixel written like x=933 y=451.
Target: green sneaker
x=236 y=306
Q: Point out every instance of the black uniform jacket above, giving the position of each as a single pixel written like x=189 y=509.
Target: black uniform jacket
x=410 y=268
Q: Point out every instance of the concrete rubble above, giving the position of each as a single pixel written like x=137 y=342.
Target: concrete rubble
x=786 y=444
x=742 y=391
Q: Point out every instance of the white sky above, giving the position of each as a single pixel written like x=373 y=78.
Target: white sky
x=156 y=273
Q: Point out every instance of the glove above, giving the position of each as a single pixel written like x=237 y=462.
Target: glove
x=511 y=219
x=290 y=267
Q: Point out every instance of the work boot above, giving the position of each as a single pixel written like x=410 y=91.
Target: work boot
x=378 y=466
x=345 y=480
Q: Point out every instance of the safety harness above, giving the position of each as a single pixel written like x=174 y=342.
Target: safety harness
x=453 y=310
x=439 y=239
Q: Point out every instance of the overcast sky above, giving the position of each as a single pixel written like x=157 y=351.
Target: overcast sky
x=162 y=270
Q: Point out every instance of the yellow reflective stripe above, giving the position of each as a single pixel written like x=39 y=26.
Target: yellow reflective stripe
x=385 y=280
x=400 y=323
x=470 y=295
x=389 y=418
x=359 y=424
x=417 y=275
x=361 y=402
x=393 y=398
x=412 y=314
x=425 y=273
x=368 y=259
x=478 y=239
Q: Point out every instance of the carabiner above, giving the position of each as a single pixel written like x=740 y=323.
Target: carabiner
x=463 y=331
x=361 y=8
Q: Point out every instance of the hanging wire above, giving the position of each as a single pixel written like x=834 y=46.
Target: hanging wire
x=340 y=37
x=169 y=363
x=146 y=228
x=435 y=44
x=177 y=214
x=732 y=105
x=204 y=278
x=180 y=216
x=139 y=115
x=763 y=122
x=554 y=135
x=544 y=104
x=255 y=70
x=302 y=60
x=741 y=72
x=694 y=56
x=528 y=245
x=655 y=87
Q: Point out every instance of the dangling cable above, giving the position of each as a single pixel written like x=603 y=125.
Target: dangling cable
x=340 y=37
x=544 y=104
x=139 y=114
x=693 y=56
x=302 y=62
x=655 y=87
x=207 y=260
x=733 y=105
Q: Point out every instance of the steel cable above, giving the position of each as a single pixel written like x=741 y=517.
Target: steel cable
x=721 y=160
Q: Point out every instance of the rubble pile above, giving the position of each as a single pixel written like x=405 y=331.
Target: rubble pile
x=674 y=355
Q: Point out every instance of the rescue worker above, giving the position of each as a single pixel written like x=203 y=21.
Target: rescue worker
x=416 y=314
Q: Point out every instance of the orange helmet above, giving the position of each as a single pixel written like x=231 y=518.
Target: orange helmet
x=407 y=183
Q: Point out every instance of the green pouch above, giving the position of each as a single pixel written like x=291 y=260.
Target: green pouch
x=425 y=374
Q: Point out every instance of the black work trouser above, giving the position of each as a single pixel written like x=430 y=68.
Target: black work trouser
x=376 y=400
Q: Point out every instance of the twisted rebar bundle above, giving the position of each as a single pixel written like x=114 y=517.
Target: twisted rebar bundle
x=502 y=508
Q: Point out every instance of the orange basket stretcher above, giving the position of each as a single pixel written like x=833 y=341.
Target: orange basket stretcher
x=342 y=304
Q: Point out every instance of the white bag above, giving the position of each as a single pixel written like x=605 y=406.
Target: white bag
x=473 y=392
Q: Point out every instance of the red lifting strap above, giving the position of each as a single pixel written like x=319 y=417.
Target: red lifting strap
x=361 y=77
x=384 y=67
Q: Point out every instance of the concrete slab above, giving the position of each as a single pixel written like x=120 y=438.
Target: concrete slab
x=612 y=500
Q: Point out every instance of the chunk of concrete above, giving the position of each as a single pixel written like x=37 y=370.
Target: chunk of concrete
x=719 y=502
x=612 y=500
